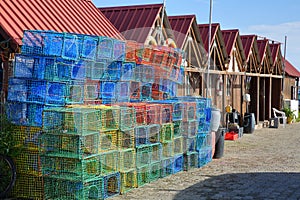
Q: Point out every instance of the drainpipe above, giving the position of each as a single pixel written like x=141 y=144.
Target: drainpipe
x=283 y=69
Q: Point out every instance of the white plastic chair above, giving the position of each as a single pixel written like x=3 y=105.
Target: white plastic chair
x=280 y=115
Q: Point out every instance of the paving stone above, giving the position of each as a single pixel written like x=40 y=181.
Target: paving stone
x=261 y=165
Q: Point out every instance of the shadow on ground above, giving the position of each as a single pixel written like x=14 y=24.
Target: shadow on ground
x=245 y=186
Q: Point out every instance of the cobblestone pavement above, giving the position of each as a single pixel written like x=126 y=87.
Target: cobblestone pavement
x=261 y=165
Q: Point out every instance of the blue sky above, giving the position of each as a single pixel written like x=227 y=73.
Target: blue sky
x=267 y=18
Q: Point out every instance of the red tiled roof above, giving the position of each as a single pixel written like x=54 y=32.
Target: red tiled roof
x=262 y=47
x=248 y=42
x=181 y=26
x=134 y=22
x=204 y=32
x=230 y=37
x=275 y=50
x=76 y=16
x=290 y=69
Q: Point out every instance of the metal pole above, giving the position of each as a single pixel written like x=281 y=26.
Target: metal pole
x=162 y=22
x=283 y=69
x=209 y=41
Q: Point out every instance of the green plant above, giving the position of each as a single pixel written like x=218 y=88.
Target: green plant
x=298 y=119
x=289 y=114
x=7 y=141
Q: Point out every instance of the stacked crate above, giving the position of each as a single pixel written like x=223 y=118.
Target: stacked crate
x=203 y=139
x=29 y=183
x=190 y=130
x=33 y=88
x=126 y=149
x=100 y=112
x=71 y=155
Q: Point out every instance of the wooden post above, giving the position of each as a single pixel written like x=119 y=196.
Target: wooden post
x=257 y=97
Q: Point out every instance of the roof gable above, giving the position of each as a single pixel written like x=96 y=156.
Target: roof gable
x=230 y=37
x=204 y=32
x=181 y=26
x=76 y=16
x=248 y=42
x=134 y=22
x=263 y=48
x=275 y=48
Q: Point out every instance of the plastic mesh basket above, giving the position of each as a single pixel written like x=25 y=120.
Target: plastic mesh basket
x=16 y=112
x=135 y=91
x=167 y=132
x=37 y=91
x=123 y=91
x=141 y=135
x=140 y=113
x=167 y=149
x=45 y=68
x=128 y=180
x=69 y=146
x=126 y=139
x=153 y=113
x=131 y=47
x=70 y=168
x=189 y=144
x=111 y=185
x=63 y=70
x=53 y=119
x=27 y=137
x=28 y=187
x=89 y=47
x=37 y=42
x=177 y=129
x=74 y=189
x=109 y=162
x=146 y=91
x=154 y=133
x=17 y=89
x=127 y=71
x=91 y=90
x=127 y=118
x=108 y=140
x=110 y=117
x=81 y=121
x=178 y=145
x=119 y=50
x=127 y=159
x=203 y=140
x=154 y=171
x=108 y=89
x=143 y=175
x=178 y=163
x=72 y=46
x=97 y=71
x=28 y=162
x=167 y=167
x=24 y=66
x=205 y=156
x=56 y=93
x=105 y=48
x=113 y=71
x=190 y=128
x=156 y=154
x=147 y=74
x=190 y=160
x=35 y=114
x=78 y=70
x=75 y=92
x=143 y=155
